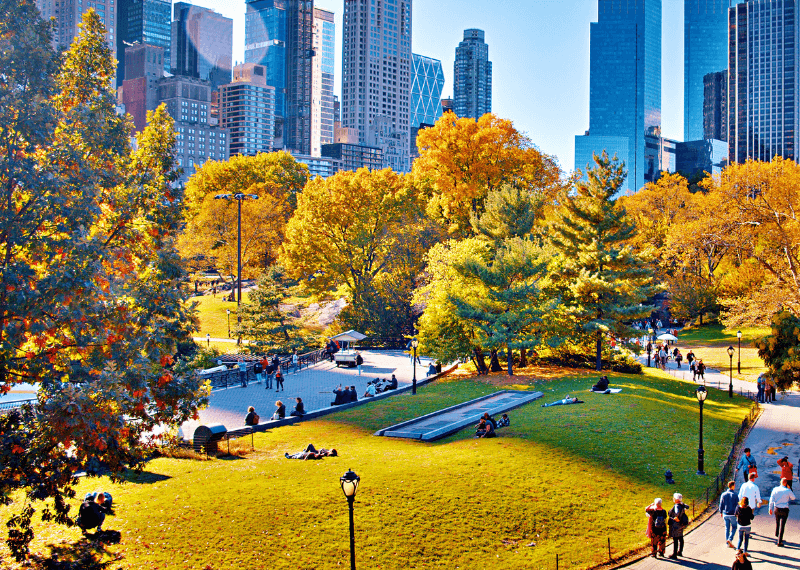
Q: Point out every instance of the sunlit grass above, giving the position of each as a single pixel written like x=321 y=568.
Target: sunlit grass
x=559 y=479
x=711 y=342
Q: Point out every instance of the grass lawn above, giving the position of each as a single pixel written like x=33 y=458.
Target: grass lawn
x=711 y=342
x=212 y=315
x=559 y=480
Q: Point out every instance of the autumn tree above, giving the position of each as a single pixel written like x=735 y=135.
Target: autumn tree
x=601 y=280
x=90 y=298
x=781 y=349
x=353 y=231
x=210 y=237
x=462 y=160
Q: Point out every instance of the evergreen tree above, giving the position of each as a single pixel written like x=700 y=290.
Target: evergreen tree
x=262 y=319
x=601 y=281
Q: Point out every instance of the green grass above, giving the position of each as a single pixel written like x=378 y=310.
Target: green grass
x=710 y=342
x=564 y=478
x=212 y=315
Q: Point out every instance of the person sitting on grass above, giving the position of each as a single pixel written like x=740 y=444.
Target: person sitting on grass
x=251 y=419
x=504 y=421
x=602 y=385
x=485 y=429
x=489 y=419
x=280 y=412
x=310 y=452
x=299 y=408
x=480 y=429
x=92 y=512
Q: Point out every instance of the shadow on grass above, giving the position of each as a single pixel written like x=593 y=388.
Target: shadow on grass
x=89 y=553
x=145 y=477
x=227 y=457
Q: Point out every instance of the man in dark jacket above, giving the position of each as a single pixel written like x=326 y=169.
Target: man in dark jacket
x=392 y=383
x=92 y=513
x=341 y=396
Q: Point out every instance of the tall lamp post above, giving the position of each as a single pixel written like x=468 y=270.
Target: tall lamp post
x=349 y=482
x=731 y=350
x=739 y=356
x=208 y=339
x=229 y=322
x=414 y=345
x=701 y=394
x=239 y=197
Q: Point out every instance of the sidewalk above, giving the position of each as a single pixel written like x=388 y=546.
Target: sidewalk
x=776 y=434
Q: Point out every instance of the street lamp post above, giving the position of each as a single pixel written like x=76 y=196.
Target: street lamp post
x=239 y=197
x=701 y=394
x=208 y=339
x=349 y=482
x=649 y=350
x=229 y=322
x=731 y=350
x=739 y=356
x=414 y=345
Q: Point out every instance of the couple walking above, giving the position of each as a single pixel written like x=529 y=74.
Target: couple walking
x=660 y=523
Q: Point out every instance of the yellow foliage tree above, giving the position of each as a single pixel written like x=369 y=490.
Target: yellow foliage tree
x=461 y=160
x=211 y=229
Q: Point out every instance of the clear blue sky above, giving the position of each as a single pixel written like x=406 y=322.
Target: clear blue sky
x=540 y=55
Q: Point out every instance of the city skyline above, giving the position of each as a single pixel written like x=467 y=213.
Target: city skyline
x=548 y=39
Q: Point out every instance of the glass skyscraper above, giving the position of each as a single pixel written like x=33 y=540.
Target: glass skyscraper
x=202 y=44
x=705 y=50
x=322 y=80
x=624 y=85
x=427 y=82
x=278 y=35
x=145 y=22
x=472 y=76
x=762 y=80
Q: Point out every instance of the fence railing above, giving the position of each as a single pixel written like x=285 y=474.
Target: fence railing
x=6 y=407
x=229 y=378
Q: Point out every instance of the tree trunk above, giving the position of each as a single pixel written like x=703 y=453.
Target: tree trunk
x=494 y=361
x=523 y=357
x=510 y=362
x=599 y=351
x=480 y=362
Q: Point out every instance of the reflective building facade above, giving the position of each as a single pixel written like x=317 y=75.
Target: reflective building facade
x=247 y=110
x=145 y=22
x=472 y=76
x=763 y=80
x=278 y=35
x=705 y=41
x=427 y=82
x=625 y=85
x=202 y=44
x=322 y=98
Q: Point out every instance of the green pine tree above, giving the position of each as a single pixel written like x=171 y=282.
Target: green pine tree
x=602 y=281
x=262 y=319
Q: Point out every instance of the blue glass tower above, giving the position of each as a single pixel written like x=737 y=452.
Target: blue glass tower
x=427 y=82
x=624 y=85
x=705 y=50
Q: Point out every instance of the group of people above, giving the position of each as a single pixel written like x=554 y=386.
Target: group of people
x=344 y=395
x=767 y=389
x=310 y=453
x=663 y=353
x=487 y=426
x=252 y=418
x=736 y=509
x=380 y=385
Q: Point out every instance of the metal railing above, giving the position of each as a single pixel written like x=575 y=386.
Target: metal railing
x=6 y=407
x=230 y=378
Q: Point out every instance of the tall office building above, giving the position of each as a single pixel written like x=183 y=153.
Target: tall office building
x=705 y=50
x=763 y=108
x=202 y=44
x=278 y=36
x=376 y=76
x=427 y=82
x=624 y=86
x=144 y=66
x=247 y=110
x=68 y=15
x=715 y=106
x=322 y=98
x=472 y=76
x=144 y=22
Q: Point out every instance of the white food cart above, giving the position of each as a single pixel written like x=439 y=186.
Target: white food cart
x=346 y=354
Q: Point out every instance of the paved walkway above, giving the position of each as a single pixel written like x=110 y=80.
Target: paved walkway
x=776 y=434
x=314 y=385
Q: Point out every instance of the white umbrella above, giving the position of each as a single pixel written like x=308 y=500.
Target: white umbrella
x=667 y=336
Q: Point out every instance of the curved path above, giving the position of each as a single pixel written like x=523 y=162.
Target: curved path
x=777 y=433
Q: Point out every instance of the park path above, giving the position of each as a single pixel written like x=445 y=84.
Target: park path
x=776 y=433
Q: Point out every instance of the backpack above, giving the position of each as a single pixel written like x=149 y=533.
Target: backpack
x=659 y=523
x=86 y=515
x=257 y=368
x=256 y=418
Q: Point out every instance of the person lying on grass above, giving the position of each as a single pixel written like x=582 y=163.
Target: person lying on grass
x=564 y=402
x=310 y=452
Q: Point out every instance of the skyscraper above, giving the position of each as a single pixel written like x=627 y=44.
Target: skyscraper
x=376 y=76
x=705 y=50
x=472 y=76
x=144 y=67
x=247 y=110
x=715 y=106
x=762 y=80
x=278 y=35
x=624 y=85
x=427 y=82
x=202 y=44
x=322 y=113
x=145 y=22
x=68 y=16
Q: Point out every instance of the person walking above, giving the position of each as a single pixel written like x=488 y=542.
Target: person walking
x=693 y=369
x=787 y=471
x=662 y=358
x=258 y=371
x=746 y=464
x=359 y=362
x=690 y=357
x=773 y=388
x=678 y=520
x=657 y=527
x=279 y=381
x=728 y=502
x=760 y=385
x=295 y=362
x=741 y=562
x=779 y=505
x=744 y=518
x=242 y=372
x=678 y=357
x=268 y=372
x=701 y=370
x=751 y=491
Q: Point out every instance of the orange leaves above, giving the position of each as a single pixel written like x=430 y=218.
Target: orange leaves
x=17 y=449
x=165 y=379
x=166 y=360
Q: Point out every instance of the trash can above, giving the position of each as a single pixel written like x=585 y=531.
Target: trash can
x=207 y=437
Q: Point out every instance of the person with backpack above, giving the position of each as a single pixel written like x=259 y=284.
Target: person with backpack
x=258 y=371
x=252 y=418
x=657 y=527
x=678 y=520
x=746 y=464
